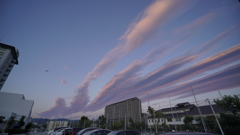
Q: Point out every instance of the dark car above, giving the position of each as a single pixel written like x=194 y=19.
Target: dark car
x=98 y=132
x=124 y=132
x=81 y=132
x=72 y=131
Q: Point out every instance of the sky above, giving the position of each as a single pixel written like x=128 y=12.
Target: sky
x=76 y=57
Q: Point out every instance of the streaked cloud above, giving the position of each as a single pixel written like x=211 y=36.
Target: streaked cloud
x=128 y=84
x=138 y=32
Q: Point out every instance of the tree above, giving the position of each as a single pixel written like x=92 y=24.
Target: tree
x=29 y=126
x=230 y=123
x=188 y=120
x=1 y=119
x=10 y=122
x=21 y=121
x=102 y=121
x=155 y=114
x=230 y=103
x=84 y=121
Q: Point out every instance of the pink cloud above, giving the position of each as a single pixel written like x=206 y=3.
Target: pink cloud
x=63 y=81
x=154 y=16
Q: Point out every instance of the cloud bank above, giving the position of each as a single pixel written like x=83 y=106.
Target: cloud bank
x=138 y=32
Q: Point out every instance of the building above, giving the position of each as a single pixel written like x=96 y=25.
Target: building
x=15 y=105
x=175 y=115
x=8 y=57
x=54 y=124
x=130 y=108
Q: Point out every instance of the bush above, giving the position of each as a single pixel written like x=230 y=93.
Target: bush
x=15 y=131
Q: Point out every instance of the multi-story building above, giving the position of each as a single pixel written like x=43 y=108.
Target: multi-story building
x=130 y=108
x=8 y=57
x=175 y=115
x=54 y=124
x=15 y=105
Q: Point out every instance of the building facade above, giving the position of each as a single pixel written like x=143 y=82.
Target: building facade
x=130 y=108
x=54 y=124
x=8 y=58
x=15 y=105
x=175 y=115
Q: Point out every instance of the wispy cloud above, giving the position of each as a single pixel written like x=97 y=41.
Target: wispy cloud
x=138 y=32
x=121 y=86
x=63 y=81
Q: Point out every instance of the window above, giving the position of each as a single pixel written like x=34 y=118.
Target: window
x=178 y=119
x=169 y=119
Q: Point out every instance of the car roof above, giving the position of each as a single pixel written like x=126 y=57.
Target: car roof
x=92 y=131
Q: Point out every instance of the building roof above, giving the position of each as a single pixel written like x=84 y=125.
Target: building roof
x=177 y=108
x=123 y=101
x=14 y=51
x=193 y=110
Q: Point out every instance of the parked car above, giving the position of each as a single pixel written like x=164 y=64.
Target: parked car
x=72 y=131
x=50 y=131
x=57 y=131
x=86 y=130
x=60 y=132
x=124 y=132
x=98 y=132
x=59 y=128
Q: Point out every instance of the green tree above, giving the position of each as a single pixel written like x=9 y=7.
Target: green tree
x=230 y=103
x=29 y=126
x=102 y=121
x=155 y=115
x=10 y=122
x=188 y=120
x=84 y=121
x=230 y=122
x=1 y=119
x=21 y=121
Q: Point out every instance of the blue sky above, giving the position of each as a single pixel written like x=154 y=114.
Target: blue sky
x=101 y=52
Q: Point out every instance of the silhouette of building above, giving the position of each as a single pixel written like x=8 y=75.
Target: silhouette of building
x=130 y=108
x=8 y=57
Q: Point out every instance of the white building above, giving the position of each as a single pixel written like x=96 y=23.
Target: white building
x=54 y=124
x=15 y=105
x=8 y=57
x=175 y=115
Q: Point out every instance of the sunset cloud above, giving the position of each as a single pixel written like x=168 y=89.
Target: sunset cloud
x=162 y=78
x=64 y=81
x=138 y=32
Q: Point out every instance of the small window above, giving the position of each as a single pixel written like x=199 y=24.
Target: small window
x=169 y=119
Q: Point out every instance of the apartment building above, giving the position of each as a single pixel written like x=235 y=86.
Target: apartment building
x=130 y=108
x=8 y=58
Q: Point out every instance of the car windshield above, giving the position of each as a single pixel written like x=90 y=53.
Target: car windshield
x=85 y=130
x=112 y=133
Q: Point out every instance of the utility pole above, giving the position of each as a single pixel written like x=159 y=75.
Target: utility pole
x=178 y=118
x=172 y=113
x=125 y=122
x=215 y=117
x=203 y=122
x=154 y=121
x=220 y=94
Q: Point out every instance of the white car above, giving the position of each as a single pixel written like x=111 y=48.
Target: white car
x=60 y=132
x=50 y=131
x=55 y=133
x=86 y=130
